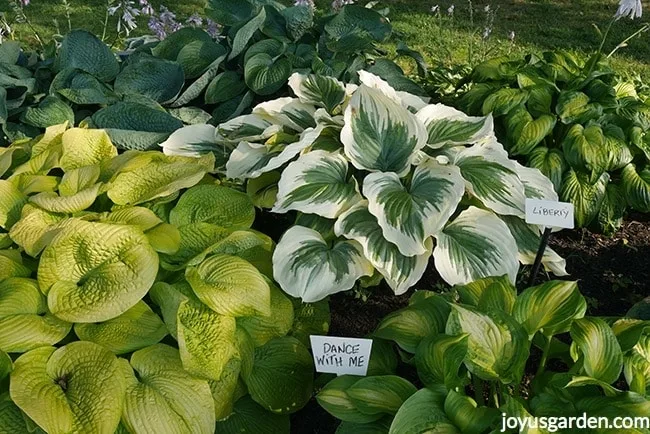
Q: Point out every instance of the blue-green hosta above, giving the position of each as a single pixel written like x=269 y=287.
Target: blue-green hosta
x=478 y=337
x=382 y=182
x=136 y=298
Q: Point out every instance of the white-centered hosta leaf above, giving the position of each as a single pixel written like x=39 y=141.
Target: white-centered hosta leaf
x=25 y=322
x=85 y=147
x=230 y=285
x=536 y=185
x=11 y=204
x=250 y=160
x=287 y=112
x=401 y=272
x=247 y=128
x=379 y=134
x=136 y=328
x=307 y=267
x=447 y=126
x=528 y=238
x=493 y=179
x=214 y=204
x=206 y=340
x=476 y=244
x=77 y=388
x=162 y=397
x=317 y=183
x=321 y=91
x=93 y=272
x=191 y=141
x=375 y=82
x=410 y=214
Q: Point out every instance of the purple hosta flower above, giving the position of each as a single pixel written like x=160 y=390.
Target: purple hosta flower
x=166 y=16
x=157 y=27
x=213 y=29
x=127 y=18
x=338 y=4
x=511 y=35
x=629 y=8
x=146 y=8
x=435 y=9
x=450 y=11
x=194 y=20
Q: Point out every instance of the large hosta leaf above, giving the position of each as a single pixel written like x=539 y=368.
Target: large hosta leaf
x=550 y=162
x=30 y=230
x=288 y=112
x=214 y=204
x=306 y=266
x=162 y=397
x=380 y=394
x=597 y=344
x=25 y=322
x=85 y=147
x=249 y=416
x=136 y=328
x=11 y=204
x=438 y=358
x=536 y=184
x=191 y=141
x=409 y=215
x=96 y=271
x=83 y=50
x=11 y=265
x=401 y=272
x=76 y=388
x=467 y=415
x=158 y=79
x=379 y=134
x=448 y=126
x=264 y=328
x=321 y=91
x=585 y=196
x=317 y=183
x=497 y=347
x=424 y=412
x=476 y=244
x=585 y=150
x=636 y=186
x=266 y=75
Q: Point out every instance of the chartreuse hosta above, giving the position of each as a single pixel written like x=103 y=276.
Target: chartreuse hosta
x=383 y=181
x=470 y=348
x=135 y=297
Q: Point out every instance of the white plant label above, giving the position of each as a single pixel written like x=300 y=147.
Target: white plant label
x=335 y=355
x=549 y=213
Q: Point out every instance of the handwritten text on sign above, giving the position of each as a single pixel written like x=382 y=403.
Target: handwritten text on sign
x=549 y=213
x=341 y=356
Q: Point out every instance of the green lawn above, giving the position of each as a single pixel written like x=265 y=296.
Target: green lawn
x=538 y=25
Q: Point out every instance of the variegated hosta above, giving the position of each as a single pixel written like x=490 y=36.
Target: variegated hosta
x=390 y=181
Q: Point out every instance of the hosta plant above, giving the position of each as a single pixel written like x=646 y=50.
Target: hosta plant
x=580 y=124
x=135 y=297
x=472 y=347
x=382 y=182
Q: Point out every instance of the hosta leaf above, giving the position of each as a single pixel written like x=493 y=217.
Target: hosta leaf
x=424 y=412
x=310 y=319
x=493 y=179
x=50 y=111
x=514 y=408
x=250 y=127
x=79 y=388
x=213 y=204
x=531 y=134
x=248 y=416
x=597 y=344
x=306 y=266
x=162 y=397
x=25 y=322
x=136 y=328
x=401 y=272
x=224 y=87
x=379 y=134
x=158 y=79
x=264 y=328
x=206 y=340
x=476 y=244
x=11 y=265
x=151 y=175
x=230 y=286
x=380 y=426
x=263 y=191
x=80 y=87
x=93 y=272
x=288 y=112
x=573 y=106
x=636 y=187
x=12 y=420
x=585 y=196
x=83 y=50
x=71 y=204
x=550 y=308
x=467 y=416
x=168 y=298
x=321 y=91
x=380 y=394
x=536 y=184
x=585 y=150
x=282 y=375
x=84 y=147
x=612 y=210
x=497 y=346
x=317 y=183
x=409 y=215
x=11 y=204
x=225 y=390
x=448 y=126
x=335 y=400
x=438 y=358
x=264 y=75
x=197 y=241
x=503 y=100
x=191 y=141
x=29 y=233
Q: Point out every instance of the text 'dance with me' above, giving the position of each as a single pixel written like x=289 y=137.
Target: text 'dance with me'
x=336 y=355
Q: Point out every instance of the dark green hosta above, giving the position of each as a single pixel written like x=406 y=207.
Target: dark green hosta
x=475 y=342
x=135 y=297
x=580 y=124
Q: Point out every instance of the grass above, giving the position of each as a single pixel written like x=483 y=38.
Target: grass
x=538 y=25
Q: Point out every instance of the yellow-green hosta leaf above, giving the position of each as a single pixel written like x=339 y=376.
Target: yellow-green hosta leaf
x=497 y=346
x=335 y=400
x=307 y=267
x=424 y=412
x=264 y=328
x=206 y=340
x=230 y=286
x=168 y=298
x=250 y=160
x=321 y=91
x=11 y=204
x=550 y=308
x=596 y=343
x=150 y=175
x=409 y=214
x=263 y=191
x=250 y=417
x=25 y=322
x=5 y=241
x=251 y=245
x=447 y=126
x=93 y=272
x=438 y=358
x=317 y=183
x=11 y=265
x=636 y=186
x=136 y=328
x=585 y=150
x=529 y=132
x=196 y=242
x=76 y=388
x=214 y=204
x=467 y=415
x=30 y=184
x=164 y=238
x=6 y=365
x=282 y=377
x=161 y=397
x=514 y=408
x=290 y=113
x=45 y=152
x=224 y=390
x=550 y=162
x=79 y=179
x=585 y=196
x=380 y=394
x=379 y=134
x=612 y=210
x=74 y=203
x=574 y=106
x=85 y=147
x=476 y=244
x=29 y=232
x=138 y=216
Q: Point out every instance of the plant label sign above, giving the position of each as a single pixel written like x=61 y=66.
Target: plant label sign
x=549 y=213
x=334 y=355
